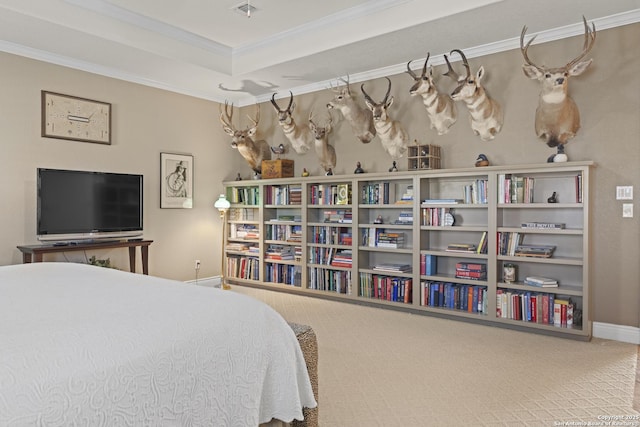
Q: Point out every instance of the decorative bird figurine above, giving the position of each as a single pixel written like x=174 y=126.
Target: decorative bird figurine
x=278 y=150
x=482 y=160
x=559 y=157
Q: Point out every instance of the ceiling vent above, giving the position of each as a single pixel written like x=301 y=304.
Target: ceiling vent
x=245 y=9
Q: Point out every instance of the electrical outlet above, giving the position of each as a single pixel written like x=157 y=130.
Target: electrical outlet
x=627 y=210
x=197 y=264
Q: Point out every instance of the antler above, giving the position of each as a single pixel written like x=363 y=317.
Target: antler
x=226 y=116
x=589 y=39
x=452 y=73
x=424 y=68
x=255 y=122
x=366 y=95
x=275 y=104
x=386 y=96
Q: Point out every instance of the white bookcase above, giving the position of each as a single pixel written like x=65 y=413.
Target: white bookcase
x=367 y=238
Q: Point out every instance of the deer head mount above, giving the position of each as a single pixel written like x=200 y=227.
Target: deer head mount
x=485 y=113
x=557 y=115
x=254 y=152
x=358 y=116
x=325 y=151
x=299 y=136
x=394 y=138
x=441 y=109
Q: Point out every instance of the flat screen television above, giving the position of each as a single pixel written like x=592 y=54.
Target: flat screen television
x=78 y=205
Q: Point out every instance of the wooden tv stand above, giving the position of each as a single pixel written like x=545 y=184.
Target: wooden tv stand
x=34 y=253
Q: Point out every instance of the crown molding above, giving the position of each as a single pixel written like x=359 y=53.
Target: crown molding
x=613 y=21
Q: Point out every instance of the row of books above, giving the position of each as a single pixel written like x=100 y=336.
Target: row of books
x=282 y=273
x=329 y=194
x=331 y=256
x=331 y=235
x=544 y=308
x=455 y=296
x=396 y=289
x=284 y=232
x=476 y=192
x=436 y=217
x=243 y=267
x=283 y=195
x=515 y=189
x=428 y=265
x=323 y=279
x=244 y=195
x=242 y=214
x=382 y=193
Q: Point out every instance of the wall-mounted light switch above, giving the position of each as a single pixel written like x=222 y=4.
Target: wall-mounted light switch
x=627 y=210
x=624 y=192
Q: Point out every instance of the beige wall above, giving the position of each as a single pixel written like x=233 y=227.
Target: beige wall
x=148 y=121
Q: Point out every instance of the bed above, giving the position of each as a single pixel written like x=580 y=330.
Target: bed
x=85 y=345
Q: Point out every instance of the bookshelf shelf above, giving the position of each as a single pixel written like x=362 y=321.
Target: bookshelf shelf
x=337 y=216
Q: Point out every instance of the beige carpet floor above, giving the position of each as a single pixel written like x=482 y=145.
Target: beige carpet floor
x=387 y=368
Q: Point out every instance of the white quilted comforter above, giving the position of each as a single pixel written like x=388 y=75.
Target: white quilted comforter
x=90 y=346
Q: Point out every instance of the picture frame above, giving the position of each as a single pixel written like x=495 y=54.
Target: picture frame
x=77 y=119
x=176 y=181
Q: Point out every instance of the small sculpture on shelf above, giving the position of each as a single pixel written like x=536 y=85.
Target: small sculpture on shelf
x=553 y=198
x=358 y=168
x=238 y=178
x=378 y=220
x=394 y=167
x=305 y=172
x=559 y=157
x=482 y=160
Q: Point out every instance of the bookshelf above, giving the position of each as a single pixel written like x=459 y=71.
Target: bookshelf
x=426 y=241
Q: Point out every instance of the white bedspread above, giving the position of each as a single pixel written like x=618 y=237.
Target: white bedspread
x=90 y=346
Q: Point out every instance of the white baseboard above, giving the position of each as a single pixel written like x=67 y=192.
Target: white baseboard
x=212 y=282
x=607 y=331
x=622 y=333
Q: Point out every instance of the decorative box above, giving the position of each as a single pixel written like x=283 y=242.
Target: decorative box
x=277 y=169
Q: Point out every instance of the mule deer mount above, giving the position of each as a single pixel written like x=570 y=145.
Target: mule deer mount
x=358 y=116
x=254 y=152
x=485 y=113
x=393 y=136
x=325 y=151
x=299 y=136
x=557 y=116
x=441 y=109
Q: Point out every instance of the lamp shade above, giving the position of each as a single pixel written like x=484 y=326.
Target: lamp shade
x=222 y=204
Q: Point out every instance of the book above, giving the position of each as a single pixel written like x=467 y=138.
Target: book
x=441 y=201
x=545 y=225
x=541 y=280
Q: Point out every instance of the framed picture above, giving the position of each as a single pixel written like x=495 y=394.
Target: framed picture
x=77 y=119
x=176 y=181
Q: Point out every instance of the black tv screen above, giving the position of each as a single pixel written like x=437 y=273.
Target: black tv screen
x=80 y=205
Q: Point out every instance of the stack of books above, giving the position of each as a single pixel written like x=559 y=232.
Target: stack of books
x=393 y=268
x=473 y=271
x=541 y=282
x=390 y=240
x=462 y=247
x=279 y=252
x=342 y=258
x=541 y=251
x=405 y=218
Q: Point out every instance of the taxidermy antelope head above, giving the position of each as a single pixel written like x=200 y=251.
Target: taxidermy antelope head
x=485 y=113
x=392 y=135
x=359 y=117
x=441 y=109
x=299 y=136
x=326 y=153
x=557 y=116
x=254 y=152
